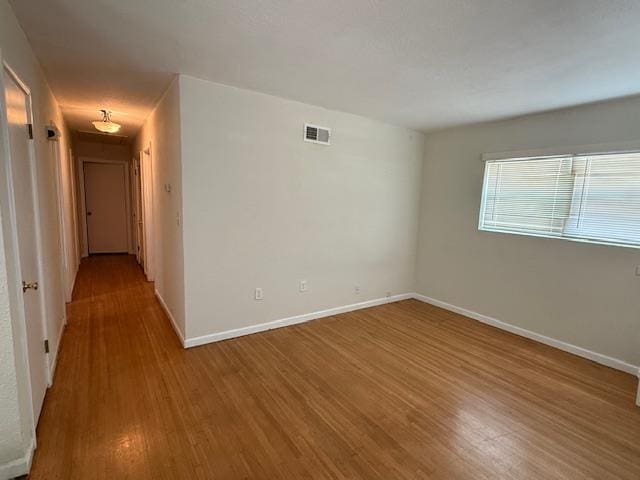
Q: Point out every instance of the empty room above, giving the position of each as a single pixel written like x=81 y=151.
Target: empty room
x=276 y=239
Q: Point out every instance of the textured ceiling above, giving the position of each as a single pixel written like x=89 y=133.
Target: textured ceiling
x=421 y=63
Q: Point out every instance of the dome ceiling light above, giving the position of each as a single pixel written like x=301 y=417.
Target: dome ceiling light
x=106 y=125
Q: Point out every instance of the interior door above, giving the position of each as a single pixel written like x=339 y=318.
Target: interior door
x=23 y=179
x=105 y=198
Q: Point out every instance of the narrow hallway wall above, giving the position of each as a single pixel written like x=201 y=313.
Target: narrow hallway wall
x=18 y=436
x=161 y=137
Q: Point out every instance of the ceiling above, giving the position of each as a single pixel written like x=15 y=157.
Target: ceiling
x=425 y=64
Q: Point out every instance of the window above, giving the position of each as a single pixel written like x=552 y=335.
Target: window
x=592 y=198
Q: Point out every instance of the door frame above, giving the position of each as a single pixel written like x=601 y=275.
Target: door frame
x=11 y=242
x=136 y=209
x=148 y=211
x=67 y=271
x=74 y=200
x=84 y=232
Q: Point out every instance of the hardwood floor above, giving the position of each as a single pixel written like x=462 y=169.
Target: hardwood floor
x=400 y=391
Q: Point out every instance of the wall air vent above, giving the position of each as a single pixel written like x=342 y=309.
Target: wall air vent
x=316 y=134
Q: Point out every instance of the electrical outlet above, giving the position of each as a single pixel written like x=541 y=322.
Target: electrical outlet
x=259 y=295
x=356 y=289
x=304 y=286
x=388 y=294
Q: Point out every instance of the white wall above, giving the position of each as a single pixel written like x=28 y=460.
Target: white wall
x=263 y=208
x=583 y=294
x=17 y=52
x=161 y=132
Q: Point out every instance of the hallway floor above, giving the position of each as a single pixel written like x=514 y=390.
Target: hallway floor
x=400 y=391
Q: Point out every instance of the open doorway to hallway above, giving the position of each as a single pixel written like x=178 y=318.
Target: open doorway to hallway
x=112 y=196
x=105 y=212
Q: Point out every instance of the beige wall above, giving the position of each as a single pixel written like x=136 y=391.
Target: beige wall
x=586 y=295
x=161 y=132
x=263 y=208
x=15 y=431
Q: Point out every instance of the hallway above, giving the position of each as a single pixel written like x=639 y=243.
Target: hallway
x=108 y=413
x=409 y=388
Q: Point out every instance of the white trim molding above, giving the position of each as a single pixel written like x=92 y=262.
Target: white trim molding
x=54 y=355
x=285 y=322
x=168 y=313
x=20 y=466
x=567 y=347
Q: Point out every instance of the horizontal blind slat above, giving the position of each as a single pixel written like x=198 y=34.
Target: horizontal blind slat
x=588 y=197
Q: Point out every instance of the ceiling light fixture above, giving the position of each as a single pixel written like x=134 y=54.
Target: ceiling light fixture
x=106 y=125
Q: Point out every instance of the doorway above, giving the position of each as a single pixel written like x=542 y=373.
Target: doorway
x=137 y=213
x=106 y=206
x=24 y=214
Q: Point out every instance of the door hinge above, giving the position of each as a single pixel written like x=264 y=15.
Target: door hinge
x=30 y=130
x=46 y=346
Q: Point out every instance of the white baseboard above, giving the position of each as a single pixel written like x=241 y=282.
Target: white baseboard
x=567 y=347
x=284 y=322
x=20 y=466
x=170 y=315
x=54 y=359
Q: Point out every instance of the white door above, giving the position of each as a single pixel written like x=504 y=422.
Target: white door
x=106 y=207
x=23 y=179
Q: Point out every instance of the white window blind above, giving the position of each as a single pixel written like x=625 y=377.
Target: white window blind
x=593 y=198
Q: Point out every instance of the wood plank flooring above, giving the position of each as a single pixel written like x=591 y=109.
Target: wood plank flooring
x=400 y=391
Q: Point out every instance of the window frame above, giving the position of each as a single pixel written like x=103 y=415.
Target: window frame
x=550 y=153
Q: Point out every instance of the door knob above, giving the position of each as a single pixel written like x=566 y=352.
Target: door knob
x=29 y=285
